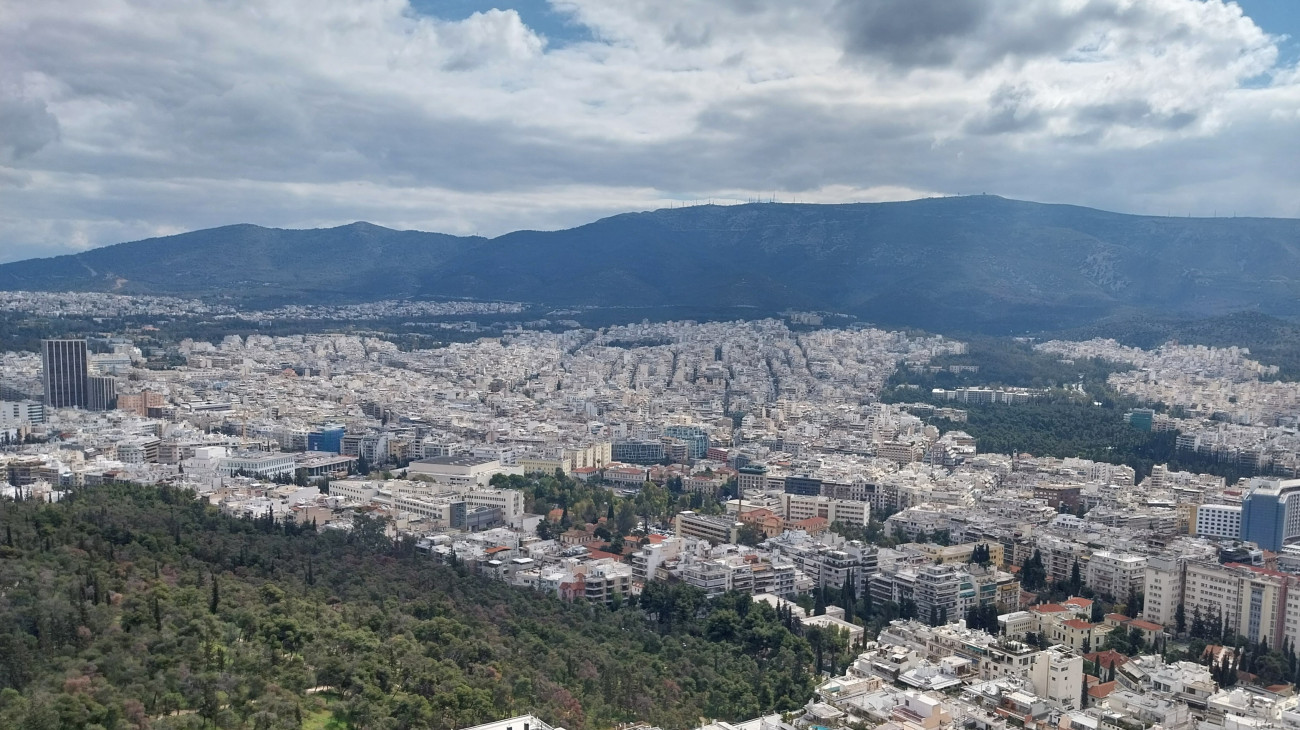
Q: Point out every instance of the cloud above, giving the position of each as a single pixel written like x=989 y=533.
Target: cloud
x=26 y=125
x=124 y=118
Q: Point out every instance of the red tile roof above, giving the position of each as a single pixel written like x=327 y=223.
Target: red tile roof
x=1102 y=690
x=1107 y=658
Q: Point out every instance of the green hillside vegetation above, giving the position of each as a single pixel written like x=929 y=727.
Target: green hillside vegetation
x=1002 y=362
x=134 y=607
x=1066 y=428
x=978 y=264
x=1271 y=340
x=1080 y=416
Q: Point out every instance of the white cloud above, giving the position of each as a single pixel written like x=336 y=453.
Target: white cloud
x=127 y=118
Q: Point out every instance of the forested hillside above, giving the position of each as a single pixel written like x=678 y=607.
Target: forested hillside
x=133 y=607
x=974 y=264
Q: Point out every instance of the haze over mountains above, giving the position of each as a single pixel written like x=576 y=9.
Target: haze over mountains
x=977 y=263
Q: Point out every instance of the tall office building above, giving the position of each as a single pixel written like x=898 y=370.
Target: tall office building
x=1270 y=513
x=65 y=373
x=101 y=393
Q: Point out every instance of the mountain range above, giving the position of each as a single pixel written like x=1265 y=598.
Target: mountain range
x=979 y=263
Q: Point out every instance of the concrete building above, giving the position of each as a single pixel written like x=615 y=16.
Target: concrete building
x=717 y=530
x=1057 y=674
x=1270 y=513
x=457 y=470
x=101 y=393
x=751 y=479
x=20 y=414
x=796 y=507
x=1115 y=574
x=1219 y=521
x=257 y=463
x=65 y=373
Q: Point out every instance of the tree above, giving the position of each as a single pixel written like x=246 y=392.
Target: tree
x=750 y=534
x=1076 y=577
x=215 y=601
x=1098 y=614
x=1032 y=574
x=1180 y=619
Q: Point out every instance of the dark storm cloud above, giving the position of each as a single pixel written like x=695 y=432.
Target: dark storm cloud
x=971 y=34
x=1010 y=110
x=26 y=126
x=910 y=32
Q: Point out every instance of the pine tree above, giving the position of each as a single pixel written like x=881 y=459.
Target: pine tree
x=215 y=601
x=866 y=607
x=1180 y=619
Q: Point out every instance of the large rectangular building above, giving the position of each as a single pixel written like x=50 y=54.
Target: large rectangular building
x=101 y=393
x=1270 y=513
x=65 y=373
x=797 y=507
x=717 y=530
x=1115 y=574
x=1222 y=521
x=457 y=470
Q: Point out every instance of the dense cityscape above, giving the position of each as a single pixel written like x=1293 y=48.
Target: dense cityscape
x=938 y=584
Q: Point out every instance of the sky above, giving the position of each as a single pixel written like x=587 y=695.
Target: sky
x=126 y=119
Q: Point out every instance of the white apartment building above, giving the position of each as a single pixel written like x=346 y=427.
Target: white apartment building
x=1057 y=674
x=1221 y=521
x=796 y=507
x=1163 y=590
x=1255 y=602
x=717 y=530
x=1115 y=574
x=17 y=414
x=509 y=501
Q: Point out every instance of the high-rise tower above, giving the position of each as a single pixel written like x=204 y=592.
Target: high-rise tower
x=65 y=373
